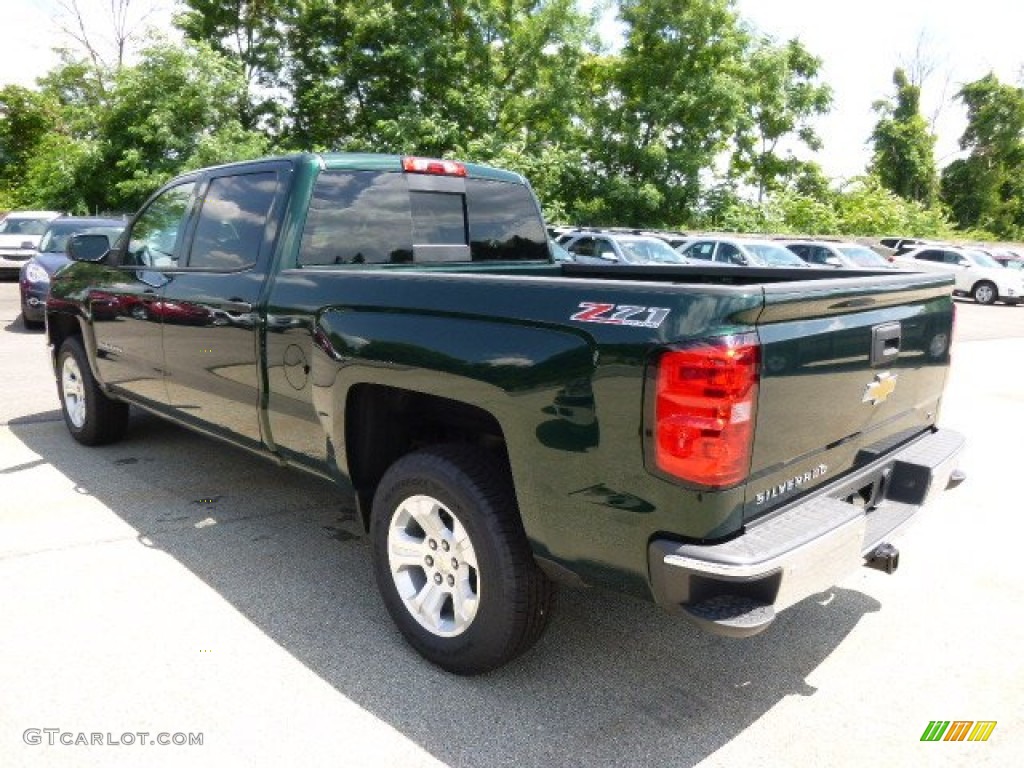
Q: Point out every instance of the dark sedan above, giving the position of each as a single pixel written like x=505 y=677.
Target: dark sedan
x=34 y=278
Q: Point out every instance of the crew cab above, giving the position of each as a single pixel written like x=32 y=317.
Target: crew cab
x=725 y=442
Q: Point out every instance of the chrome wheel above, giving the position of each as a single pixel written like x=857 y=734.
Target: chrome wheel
x=74 y=392
x=433 y=566
x=985 y=293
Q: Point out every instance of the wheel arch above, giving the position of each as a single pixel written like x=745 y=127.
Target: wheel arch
x=383 y=423
x=60 y=327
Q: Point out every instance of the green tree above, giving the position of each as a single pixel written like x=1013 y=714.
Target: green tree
x=782 y=96
x=985 y=190
x=250 y=32
x=661 y=110
x=904 y=156
x=428 y=76
x=26 y=117
x=175 y=110
x=103 y=140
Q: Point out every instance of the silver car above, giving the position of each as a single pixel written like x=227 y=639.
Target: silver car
x=741 y=252
x=826 y=253
x=615 y=248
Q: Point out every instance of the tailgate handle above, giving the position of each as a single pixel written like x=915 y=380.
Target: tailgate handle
x=885 y=343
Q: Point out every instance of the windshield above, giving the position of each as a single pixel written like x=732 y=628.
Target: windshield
x=23 y=226
x=775 y=255
x=558 y=253
x=649 y=250
x=56 y=238
x=982 y=259
x=863 y=257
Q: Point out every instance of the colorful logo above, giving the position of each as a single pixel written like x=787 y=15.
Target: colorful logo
x=958 y=730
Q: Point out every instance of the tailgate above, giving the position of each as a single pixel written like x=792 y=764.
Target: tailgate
x=850 y=368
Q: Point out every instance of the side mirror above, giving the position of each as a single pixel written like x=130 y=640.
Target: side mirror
x=88 y=247
x=833 y=261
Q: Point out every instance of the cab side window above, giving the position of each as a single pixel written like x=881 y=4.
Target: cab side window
x=156 y=234
x=232 y=221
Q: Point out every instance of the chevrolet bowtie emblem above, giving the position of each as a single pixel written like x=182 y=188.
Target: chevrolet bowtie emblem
x=879 y=389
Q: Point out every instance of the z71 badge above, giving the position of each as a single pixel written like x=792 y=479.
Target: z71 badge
x=621 y=314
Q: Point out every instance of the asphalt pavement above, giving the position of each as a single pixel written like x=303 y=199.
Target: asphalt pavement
x=171 y=588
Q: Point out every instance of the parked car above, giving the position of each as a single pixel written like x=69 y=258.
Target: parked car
x=1004 y=256
x=741 y=252
x=558 y=252
x=20 y=232
x=976 y=274
x=602 y=247
x=35 y=274
x=827 y=253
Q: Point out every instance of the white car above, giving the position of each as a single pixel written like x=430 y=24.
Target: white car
x=977 y=274
x=20 y=232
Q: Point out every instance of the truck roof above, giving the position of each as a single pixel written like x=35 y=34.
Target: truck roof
x=370 y=161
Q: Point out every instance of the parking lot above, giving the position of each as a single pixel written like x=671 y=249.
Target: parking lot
x=171 y=585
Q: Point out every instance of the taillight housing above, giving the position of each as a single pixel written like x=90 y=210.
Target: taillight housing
x=433 y=167
x=701 y=430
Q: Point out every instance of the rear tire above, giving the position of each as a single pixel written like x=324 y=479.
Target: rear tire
x=91 y=416
x=985 y=292
x=453 y=563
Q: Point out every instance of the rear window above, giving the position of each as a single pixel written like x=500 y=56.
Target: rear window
x=368 y=217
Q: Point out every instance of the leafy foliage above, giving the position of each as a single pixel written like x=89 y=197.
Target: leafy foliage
x=247 y=31
x=84 y=145
x=681 y=126
x=985 y=189
x=783 y=98
x=904 y=158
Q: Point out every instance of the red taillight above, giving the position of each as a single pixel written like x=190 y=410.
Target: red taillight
x=704 y=410
x=435 y=167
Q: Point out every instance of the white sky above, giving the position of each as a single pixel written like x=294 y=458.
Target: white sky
x=860 y=42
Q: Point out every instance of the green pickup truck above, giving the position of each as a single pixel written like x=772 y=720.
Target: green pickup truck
x=725 y=442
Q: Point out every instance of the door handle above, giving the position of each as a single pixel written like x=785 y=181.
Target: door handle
x=885 y=343
x=237 y=305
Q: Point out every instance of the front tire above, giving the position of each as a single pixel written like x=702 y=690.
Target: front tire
x=452 y=561
x=985 y=292
x=91 y=416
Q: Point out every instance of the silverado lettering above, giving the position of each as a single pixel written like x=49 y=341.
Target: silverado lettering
x=792 y=484
x=398 y=327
